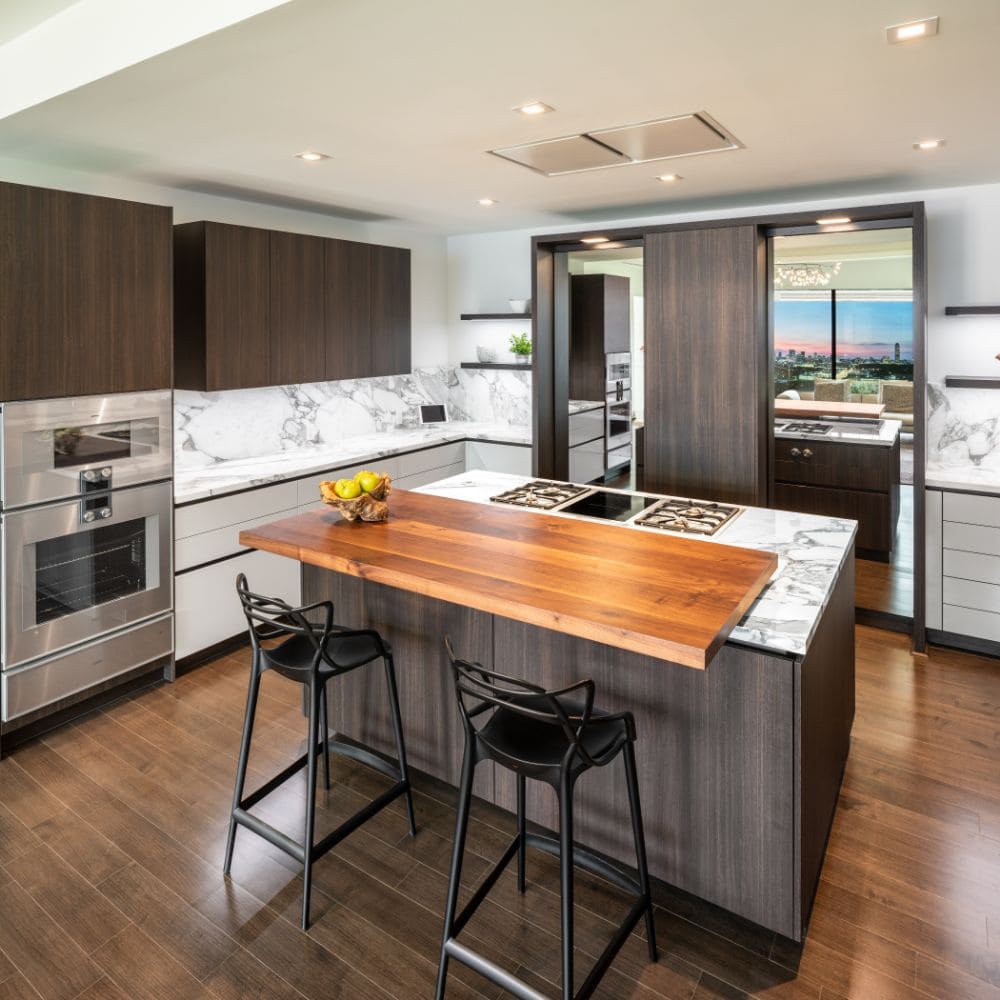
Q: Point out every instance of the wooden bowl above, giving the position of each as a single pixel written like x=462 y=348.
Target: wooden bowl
x=367 y=507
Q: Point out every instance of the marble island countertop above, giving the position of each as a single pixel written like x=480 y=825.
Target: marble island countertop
x=882 y=432
x=811 y=551
x=218 y=478
x=583 y=405
x=968 y=478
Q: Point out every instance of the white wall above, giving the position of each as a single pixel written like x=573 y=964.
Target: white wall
x=429 y=273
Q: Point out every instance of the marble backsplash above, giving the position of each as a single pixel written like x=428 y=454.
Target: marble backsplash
x=246 y=423
x=963 y=431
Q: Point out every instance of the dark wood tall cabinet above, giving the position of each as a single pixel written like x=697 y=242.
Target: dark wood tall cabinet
x=348 y=309
x=706 y=417
x=599 y=325
x=297 y=334
x=85 y=294
x=390 y=311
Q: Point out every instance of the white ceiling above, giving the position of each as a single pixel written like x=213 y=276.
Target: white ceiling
x=407 y=97
x=19 y=16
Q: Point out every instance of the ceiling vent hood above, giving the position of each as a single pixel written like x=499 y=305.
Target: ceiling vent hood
x=663 y=139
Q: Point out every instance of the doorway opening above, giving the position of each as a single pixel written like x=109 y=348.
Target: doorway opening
x=842 y=338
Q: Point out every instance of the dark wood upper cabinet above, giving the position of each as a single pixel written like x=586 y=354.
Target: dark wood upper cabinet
x=706 y=408
x=391 y=324
x=348 y=309
x=297 y=332
x=257 y=308
x=599 y=325
x=85 y=294
x=222 y=306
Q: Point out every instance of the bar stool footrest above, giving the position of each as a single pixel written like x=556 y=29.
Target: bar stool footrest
x=491 y=971
x=588 y=861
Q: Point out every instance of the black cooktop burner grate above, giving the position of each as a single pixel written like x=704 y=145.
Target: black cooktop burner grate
x=690 y=517
x=540 y=494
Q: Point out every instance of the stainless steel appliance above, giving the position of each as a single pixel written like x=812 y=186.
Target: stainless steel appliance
x=618 y=411
x=689 y=517
x=540 y=494
x=85 y=543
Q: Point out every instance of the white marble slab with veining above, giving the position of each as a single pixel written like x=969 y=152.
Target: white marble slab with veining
x=963 y=438
x=811 y=551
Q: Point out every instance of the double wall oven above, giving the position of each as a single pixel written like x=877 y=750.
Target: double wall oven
x=85 y=544
x=618 y=410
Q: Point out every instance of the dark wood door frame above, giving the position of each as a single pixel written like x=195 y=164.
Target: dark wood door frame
x=550 y=382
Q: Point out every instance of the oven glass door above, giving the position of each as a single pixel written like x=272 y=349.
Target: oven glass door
x=619 y=423
x=49 y=444
x=70 y=579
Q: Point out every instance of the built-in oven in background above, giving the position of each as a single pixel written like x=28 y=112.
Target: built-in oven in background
x=618 y=411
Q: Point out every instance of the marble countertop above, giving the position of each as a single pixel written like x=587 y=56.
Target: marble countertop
x=884 y=434
x=583 y=405
x=218 y=478
x=970 y=478
x=811 y=551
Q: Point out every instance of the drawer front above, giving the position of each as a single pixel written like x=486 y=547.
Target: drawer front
x=971 y=538
x=972 y=594
x=586 y=462
x=308 y=488
x=872 y=511
x=210 y=545
x=206 y=607
x=970 y=509
x=586 y=426
x=512 y=458
x=30 y=688
x=849 y=466
x=428 y=476
x=976 y=624
x=212 y=514
x=970 y=566
x=431 y=458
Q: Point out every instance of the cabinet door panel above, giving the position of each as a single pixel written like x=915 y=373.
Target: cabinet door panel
x=348 y=309
x=390 y=302
x=237 y=268
x=298 y=337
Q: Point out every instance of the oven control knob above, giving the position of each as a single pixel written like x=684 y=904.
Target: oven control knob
x=90 y=476
x=795 y=453
x=106 y=472
x=89 y=515
x=104 y=512
x=807 y=453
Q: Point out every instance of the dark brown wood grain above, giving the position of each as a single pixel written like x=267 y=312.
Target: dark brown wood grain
x=297 y=336
x=390 y=304
x=599 y=325
x=348 y=309
x=842 y=465
x=706 y=359
x=670 y=597
x=85 y=294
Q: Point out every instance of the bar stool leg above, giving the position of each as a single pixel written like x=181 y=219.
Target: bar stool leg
x=241 y=767
x=324 y=737
x=457 y=853
x=397 y=726
x=310 y=824
x=640 y=845
x=566 y=881
x=521 y=845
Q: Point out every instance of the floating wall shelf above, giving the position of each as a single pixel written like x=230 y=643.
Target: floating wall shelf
x=971 y=382
x=972 y=310
x=497 y=364
x=506 y=315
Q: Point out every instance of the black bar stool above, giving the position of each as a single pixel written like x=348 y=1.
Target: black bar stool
x=311 y=654
x=549 y=736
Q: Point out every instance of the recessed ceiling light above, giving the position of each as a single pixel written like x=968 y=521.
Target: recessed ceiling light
x=910 y=31
x=833 y=220
x=669 y=178
x=928 y=144
x=486 y=202
x=311 y=156
x=594 y=239
x=533 y=108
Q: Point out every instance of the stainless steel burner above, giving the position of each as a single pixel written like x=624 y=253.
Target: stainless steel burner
x=540 y=494
x=812 y=427
x=690 y=517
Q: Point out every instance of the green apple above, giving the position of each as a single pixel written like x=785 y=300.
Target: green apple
x=368 y=480
x=347 y=489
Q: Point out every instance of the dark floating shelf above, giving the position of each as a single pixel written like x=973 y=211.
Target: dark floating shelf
x=972 y=310
x=497 y=364
x=971 y=382
x=506 y=315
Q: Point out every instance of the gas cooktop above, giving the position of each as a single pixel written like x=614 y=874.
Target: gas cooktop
x=540 y=494
x=690 y=517
x=814 y=428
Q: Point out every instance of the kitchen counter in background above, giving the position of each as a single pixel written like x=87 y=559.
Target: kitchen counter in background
x=967 y=479
x=884 y=434
x=583 y=405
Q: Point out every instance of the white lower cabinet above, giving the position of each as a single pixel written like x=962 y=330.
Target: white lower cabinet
x=586 y=461
x=933 y=556
x=512 y=458
x=206 y=606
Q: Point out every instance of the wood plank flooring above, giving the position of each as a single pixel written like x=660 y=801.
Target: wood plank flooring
x=888 y=587
x=112 y=834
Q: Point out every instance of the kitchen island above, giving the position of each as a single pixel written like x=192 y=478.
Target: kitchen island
x=740 y=763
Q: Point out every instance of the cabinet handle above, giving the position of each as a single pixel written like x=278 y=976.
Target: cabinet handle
x=807 y=453
x=795 y=453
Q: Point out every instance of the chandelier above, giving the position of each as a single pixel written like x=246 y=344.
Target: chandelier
x=805 y=275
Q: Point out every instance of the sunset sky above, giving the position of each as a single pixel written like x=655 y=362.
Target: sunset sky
x=864 y=329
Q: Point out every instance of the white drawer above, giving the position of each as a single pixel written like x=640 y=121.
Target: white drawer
x=308 y=489
x=221 y=542
x=431 y=458
x=971 y=566
x=971 y=538
x=586 y=426
x=977 y=624
x=200 y=517
x=972 y=594
x=206 y=607
x=428 y=476
x=970 y=509
x=586 y=461
x=512 y=458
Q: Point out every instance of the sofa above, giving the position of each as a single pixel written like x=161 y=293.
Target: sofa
x=897 y=397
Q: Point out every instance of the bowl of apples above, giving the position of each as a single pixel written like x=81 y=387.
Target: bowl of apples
x=361 y=498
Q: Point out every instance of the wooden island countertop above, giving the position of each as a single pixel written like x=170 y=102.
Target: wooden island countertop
x=660 y=595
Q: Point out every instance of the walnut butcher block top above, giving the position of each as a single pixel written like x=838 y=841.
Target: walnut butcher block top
x=664 y=596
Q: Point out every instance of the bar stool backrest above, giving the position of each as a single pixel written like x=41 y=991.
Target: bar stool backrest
x=272 y=618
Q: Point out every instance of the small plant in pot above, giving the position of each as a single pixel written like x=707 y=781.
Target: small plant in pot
x=520 y=347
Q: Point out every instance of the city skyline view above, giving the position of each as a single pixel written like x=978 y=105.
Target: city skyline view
x=866 y=328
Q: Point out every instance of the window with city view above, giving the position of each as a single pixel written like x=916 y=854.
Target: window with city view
x=864 y=336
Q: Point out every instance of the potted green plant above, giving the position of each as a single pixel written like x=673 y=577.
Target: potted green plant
x=520 y=347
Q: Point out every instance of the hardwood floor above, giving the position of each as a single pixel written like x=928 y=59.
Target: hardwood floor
x=112 y=833
x=888 y=586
